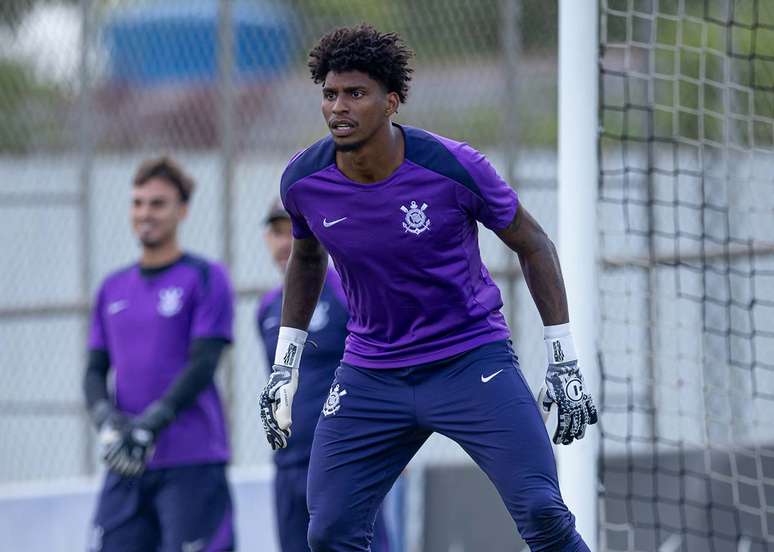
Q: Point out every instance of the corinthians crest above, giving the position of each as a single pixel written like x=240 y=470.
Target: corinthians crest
x=333 y=402
x=416 y=220
x=170 y=301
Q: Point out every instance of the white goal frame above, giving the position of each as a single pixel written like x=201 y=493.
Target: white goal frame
x=577 y=208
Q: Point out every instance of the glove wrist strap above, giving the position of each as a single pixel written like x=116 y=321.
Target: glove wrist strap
x=290 y=345
x=560 y=347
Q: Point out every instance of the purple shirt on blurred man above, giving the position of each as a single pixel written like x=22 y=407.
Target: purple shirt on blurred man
x=147 y=320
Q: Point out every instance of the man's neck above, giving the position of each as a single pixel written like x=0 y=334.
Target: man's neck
x=163 y=255
x=375 y=160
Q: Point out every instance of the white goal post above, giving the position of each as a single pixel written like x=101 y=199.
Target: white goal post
x=577 y=198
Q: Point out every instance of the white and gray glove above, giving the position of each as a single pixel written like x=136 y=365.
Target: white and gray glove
x=276 y=403
x=564 y=388
x=276 y=400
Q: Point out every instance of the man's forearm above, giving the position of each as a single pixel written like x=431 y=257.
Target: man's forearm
x=198 y=375
x=543 y=275
x=95 y=389
x=304 y=280
x=540 y=266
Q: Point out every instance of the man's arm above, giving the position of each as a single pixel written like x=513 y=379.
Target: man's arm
x=304 y=280
x=111 y=425
x=198 y=374
x=540 y=265
x=564 y=385
x=95 y=389
x=117 y=430
x=130 y=452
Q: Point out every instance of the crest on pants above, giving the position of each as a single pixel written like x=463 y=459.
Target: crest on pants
x=416 y=220
x=333 y=402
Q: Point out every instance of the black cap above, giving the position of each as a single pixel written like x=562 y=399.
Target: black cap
x=276 y=212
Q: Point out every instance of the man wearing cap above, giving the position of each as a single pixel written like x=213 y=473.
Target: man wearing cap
x=328 y=330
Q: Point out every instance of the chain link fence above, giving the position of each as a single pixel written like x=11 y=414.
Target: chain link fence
x=89 y=88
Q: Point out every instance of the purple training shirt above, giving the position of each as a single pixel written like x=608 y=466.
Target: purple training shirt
x=146 y=321
x=406 y=247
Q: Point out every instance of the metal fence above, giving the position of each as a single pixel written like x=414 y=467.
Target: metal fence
x=89 y=88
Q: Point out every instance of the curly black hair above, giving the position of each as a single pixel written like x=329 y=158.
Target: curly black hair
x=382 y=56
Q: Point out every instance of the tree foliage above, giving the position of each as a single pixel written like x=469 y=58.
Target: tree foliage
x=12 y=12
x=441 y=28
x=27 y=109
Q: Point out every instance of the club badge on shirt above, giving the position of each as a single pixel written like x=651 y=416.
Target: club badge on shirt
x=170 y=301
x=416 y=220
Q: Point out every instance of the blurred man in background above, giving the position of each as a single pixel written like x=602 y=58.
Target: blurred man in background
x=160 y=325
x=328 y=330
x=397 y=208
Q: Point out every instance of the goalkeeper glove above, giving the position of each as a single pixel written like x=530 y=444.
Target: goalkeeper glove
x=564 y=388
x=111 y=425
x=132 y=453
x=276 y=400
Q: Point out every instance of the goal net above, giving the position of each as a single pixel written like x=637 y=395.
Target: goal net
x=686 y=219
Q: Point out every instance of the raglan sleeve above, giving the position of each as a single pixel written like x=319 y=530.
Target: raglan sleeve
x=489 y=200
x=289 y=189
x=214 y=310
x=97 y=331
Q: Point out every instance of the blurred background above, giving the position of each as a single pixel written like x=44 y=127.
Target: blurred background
x=89 y=88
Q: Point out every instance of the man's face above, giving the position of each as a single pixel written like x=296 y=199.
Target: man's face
x=279 y=239
x=156 y=211
x=355 y=107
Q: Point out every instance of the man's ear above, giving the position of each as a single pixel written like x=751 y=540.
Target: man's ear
x=393 y=101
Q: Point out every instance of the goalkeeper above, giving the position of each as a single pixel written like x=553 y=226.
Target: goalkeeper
x=161 y=325
x=428 y=349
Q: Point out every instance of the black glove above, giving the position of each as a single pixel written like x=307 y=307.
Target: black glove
x=111 y=425
x=129 y=456
x=132 y=452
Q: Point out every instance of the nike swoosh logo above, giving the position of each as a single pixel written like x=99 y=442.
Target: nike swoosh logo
x=485 y=379
x=331 y=223
x=117 y=306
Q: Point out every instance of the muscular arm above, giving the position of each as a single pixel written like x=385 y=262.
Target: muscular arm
x=540 y=265
x=304 y=280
